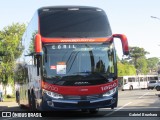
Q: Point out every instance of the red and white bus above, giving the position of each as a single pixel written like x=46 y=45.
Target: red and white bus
x=73 y=64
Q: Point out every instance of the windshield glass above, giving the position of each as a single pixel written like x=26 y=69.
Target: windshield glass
x=78 y=62
x=74 y=23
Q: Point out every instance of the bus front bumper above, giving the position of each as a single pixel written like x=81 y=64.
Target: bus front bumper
x=62 y=104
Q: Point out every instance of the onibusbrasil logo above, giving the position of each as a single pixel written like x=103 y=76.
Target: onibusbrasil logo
x=21 y=114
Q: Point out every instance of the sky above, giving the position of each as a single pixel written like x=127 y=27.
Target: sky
x=129 y=17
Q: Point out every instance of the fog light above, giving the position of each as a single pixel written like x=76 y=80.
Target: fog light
x=50 y=103
x=113 y=100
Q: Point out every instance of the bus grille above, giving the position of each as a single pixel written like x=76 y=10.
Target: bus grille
x=76 y=97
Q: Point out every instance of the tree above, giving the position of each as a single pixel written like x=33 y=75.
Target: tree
x=137 y=53
x=12 y=47
x=153 y=64
x=142 y=66
x=125 y=69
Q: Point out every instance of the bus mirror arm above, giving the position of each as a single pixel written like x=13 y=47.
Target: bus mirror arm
x=38 y=64
x=37 y=70
x=124 y=41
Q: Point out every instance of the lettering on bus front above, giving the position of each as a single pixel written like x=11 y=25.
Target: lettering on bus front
x=109 y=87
x=50 y=87
x=63 y=46
x=78 y=40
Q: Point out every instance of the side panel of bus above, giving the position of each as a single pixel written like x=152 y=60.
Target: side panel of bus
x=27 y=59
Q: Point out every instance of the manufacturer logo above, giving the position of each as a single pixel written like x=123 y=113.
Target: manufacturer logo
x=81 y=83
x=83 y=89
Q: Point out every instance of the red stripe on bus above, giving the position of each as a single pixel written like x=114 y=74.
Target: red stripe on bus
x=77 y=40
x=80 y=90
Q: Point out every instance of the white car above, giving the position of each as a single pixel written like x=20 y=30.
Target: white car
x=157 y=86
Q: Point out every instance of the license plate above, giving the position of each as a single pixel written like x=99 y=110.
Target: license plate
x=83 y=103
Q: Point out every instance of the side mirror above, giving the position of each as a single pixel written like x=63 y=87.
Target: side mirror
x=38 y=44
x=124 y=43
x=38 y=51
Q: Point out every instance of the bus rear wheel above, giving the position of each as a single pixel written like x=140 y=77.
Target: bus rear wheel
x=29 y=101
x=131 y=87
x=17 y=97
x=33 y=102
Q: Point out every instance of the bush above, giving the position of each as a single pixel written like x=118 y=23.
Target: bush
x=8 y=96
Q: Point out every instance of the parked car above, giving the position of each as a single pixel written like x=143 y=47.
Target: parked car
x=157 y=86
x=151 y=84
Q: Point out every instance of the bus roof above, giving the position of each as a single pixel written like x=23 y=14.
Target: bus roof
x=69 y=7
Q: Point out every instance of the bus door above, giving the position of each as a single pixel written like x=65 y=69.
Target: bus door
x=125 y=82
x=140 y=82
x=135 y=82
x=120 y=83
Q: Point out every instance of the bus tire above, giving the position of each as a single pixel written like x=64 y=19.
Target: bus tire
x=22 y=106
x=112 y=107
x=84 y=110
x=17 y=97
x=33 y=102
x=131 y=87
x=29 y=101
x=94 y=111
x=116 y=102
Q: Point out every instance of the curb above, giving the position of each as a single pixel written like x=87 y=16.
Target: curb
x=8 y=104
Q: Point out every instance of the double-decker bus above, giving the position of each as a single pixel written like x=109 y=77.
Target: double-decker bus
x=69 y=60
x=136 y=81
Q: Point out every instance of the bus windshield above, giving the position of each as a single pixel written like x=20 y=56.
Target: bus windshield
x=78 y=62
x=74 y=23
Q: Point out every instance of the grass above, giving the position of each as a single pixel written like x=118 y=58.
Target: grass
x=9 y=98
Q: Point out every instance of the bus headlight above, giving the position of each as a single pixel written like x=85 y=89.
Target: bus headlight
x=110 y=92
x=53 y=95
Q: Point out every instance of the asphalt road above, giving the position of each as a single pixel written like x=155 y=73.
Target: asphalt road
x=132 y=105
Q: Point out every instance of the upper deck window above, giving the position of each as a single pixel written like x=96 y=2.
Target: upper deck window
x=74 y=23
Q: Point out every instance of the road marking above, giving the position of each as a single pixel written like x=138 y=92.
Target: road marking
x=9 y=118
x=143 y=95
x=118 y=109
x=123 y=106
x=141 y=107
